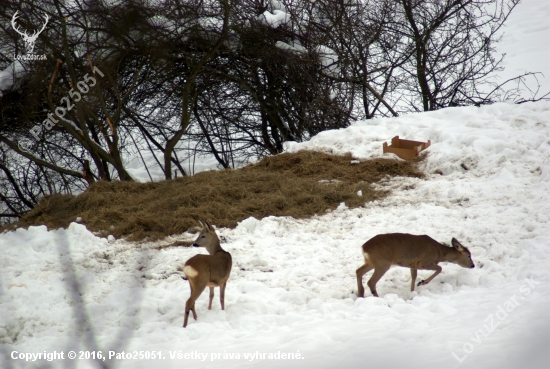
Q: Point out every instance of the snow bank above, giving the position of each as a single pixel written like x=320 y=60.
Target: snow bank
x=292 y=287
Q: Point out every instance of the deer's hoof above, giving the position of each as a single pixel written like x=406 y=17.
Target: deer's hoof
x=420 y=283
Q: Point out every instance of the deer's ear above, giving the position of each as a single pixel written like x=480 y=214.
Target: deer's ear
x=209 y=227
x=457 y=244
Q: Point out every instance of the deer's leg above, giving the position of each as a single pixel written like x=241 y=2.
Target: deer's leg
x=190 y=304
x=437 y=269
x=379 y=271
x=195 y=295
x=413 y=278
x=222 y=294
x=211 y=298
x=360 y=273
x=186 y=315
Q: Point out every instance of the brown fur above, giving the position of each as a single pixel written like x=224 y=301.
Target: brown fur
x=406 y=250
x=207 y=270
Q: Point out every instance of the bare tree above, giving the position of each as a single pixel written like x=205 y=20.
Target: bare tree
x=164 y=82
x=454 y=49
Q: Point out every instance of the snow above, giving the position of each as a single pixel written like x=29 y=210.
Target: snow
x=10 y=75
x=275 y=19
x=277 y=5
x=191 y=165
x=292 y=288
x=295 y=47
x=328 y=59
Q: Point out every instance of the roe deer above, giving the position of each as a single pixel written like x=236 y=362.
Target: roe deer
x=206 y=270
x=407 y=250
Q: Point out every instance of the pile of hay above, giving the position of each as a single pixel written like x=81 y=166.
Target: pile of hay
x=299 y=184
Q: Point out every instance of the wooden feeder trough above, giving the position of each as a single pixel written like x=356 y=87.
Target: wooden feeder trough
x=405 y=149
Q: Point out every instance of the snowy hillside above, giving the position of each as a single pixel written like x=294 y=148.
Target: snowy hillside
x=292 y=291
x=292 y=288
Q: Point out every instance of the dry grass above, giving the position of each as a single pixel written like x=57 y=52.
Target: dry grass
x=299 y=185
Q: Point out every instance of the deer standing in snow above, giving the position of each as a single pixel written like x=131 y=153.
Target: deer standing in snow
x=407 y=250
x=206 y=270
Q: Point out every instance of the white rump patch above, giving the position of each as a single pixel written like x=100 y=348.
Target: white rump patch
x=366 y=255
x=189 y=271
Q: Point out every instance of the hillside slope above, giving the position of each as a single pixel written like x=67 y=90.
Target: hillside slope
x=292 y=287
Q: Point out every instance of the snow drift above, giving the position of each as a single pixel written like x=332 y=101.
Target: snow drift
x=292 y=288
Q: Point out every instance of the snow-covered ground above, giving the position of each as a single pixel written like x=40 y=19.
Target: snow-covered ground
x=292 y=287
